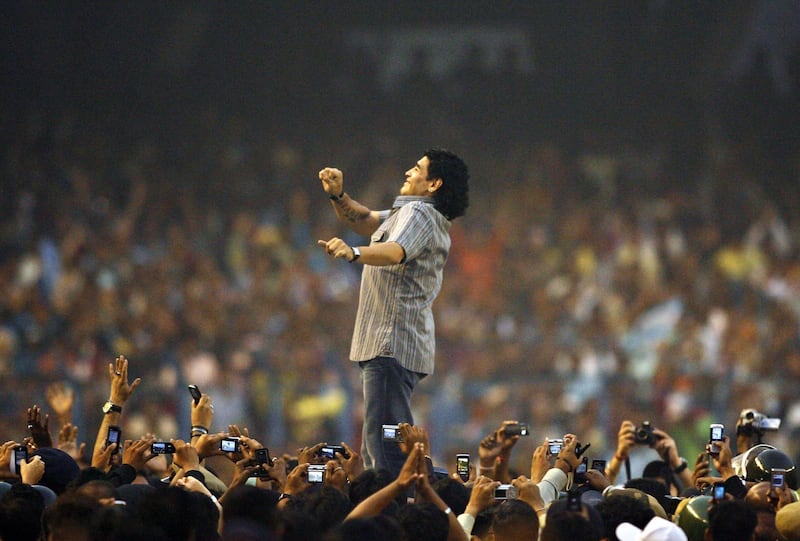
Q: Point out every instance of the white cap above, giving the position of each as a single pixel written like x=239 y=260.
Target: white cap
x=658 y=529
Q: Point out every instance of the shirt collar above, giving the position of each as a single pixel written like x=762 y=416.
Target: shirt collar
x=401 y=200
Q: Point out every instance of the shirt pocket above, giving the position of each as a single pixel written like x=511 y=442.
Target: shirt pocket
x=378 y=236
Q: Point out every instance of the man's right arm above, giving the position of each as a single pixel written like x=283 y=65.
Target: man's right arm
x=359 y=218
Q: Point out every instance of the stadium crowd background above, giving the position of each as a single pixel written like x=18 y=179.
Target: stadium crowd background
x=631 y=250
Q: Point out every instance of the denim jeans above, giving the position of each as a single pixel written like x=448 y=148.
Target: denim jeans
x=387 y=400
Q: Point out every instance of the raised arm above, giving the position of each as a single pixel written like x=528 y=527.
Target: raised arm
x=119 y=394
x=349 y=211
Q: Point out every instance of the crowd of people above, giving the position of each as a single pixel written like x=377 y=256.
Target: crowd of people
x=596 y=284
x=232 y=484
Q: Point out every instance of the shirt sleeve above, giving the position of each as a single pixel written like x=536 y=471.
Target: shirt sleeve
x=413 y=228
x=553 y=482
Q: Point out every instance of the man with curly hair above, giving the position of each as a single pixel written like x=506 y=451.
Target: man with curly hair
x=394 y=341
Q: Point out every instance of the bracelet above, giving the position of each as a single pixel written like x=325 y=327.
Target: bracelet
x=201 y=429
x=683 y=465
x=336 y=197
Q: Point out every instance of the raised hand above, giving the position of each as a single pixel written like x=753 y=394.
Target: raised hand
x=121 y=390
x=39 y=431
x=60 y=397
x=68 y=442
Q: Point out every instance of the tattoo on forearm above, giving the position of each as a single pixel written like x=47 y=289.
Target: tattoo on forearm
x=353 y=212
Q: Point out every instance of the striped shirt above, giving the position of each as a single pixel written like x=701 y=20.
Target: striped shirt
x=395 y=316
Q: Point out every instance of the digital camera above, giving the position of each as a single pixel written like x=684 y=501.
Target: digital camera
x=753 y=422
x=391 y=433
x=229 y=445
x=644 y=434
x=162 y=448
x=517 y=429
x=506 y=492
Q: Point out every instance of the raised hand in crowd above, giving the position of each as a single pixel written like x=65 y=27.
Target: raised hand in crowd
x=528 y=491
x=540 y=461
x=61 y=399
x=626 y=441
x=38 y=430
x=412 y=434
x=494 y=452
x=68 y=442
x=32 y=470
x=119 y=393
x=137 y=453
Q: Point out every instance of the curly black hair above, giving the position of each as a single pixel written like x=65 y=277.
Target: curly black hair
x=452 y=197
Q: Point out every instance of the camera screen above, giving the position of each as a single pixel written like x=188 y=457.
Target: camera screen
x=555 y=446
x=390 y=432
x=716 y=433
x=229 y=445
x=777 y=480
x=113 y=435
x=159 y=447
x=315 y=475
x=719 y=492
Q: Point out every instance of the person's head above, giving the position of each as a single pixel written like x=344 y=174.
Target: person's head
x=515 y=520
x=368 y=482
x=60 y=469
x=658 y=529
x=731 y=520
x=375 y=528
x=179 y=513
x=423 y=521
x=73 y=517
x=102 y=491
x=563 y=524
x=618 y=508
x=247 y=504
x=444 y=176
x=21 y=509
x=692 y=517
x=454 y=494
x=787 y=521
x=328 y=505
x=659 y=470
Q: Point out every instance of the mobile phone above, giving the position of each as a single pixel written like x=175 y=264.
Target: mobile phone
x=716 y=432
x=505 y=492
x=391 y=433
x=581 y=469
x=162 y=448
x=262 y=456
x=555 y=445
x=574 y=501
x=777 y=477
x=462 y=466
x=718 y=492
x=229 y=445
x=517 y=429
x=316 y=473
x=329 y=451
x=114 y=436
x=20 y=455
x=195 y=392
x=599 y=465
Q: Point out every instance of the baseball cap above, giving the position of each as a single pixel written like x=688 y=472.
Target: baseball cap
x=658 y=529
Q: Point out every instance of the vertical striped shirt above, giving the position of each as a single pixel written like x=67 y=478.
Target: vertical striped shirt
x=395 y=316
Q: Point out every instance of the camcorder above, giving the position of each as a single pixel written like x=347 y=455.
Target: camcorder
x=644 y=434
x=753 y=422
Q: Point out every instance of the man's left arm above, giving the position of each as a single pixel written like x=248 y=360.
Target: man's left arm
x=379 y=254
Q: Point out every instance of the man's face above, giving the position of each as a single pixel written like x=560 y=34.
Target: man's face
x=417 y=182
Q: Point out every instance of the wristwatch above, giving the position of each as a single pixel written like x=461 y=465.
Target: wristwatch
x=356 y=253
x=683 y=465
x=109 y=406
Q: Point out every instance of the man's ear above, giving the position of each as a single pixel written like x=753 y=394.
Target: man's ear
x=435 y=185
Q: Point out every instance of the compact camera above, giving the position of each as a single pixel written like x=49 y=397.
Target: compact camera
x=162 y=448
x=391 y=433
x=644 y=434
x=229 y=445
x=517 y=429
x=777 y=477
x=506 y=492
x=555 y=445
x=316 y=473
x=329 y=451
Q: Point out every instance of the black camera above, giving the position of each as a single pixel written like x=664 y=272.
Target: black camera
x=162 y=448
x=517 y=429
x=329 y=451
x=644 y=434
x=229 y=445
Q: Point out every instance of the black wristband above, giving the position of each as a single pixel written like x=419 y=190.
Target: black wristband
x=336 y=197
x=684 y=464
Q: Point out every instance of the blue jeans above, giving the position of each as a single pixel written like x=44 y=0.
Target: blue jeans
x=387 y=400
